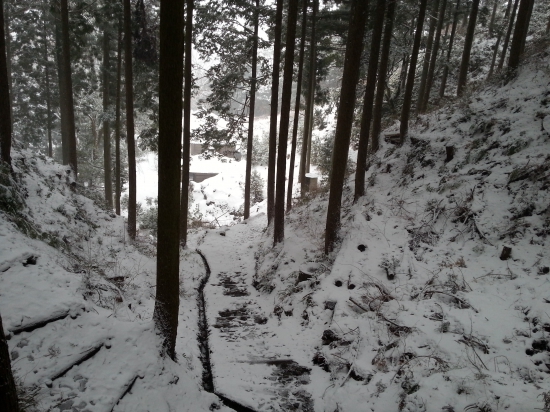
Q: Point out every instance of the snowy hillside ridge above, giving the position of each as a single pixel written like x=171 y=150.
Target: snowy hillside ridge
x=421 y=305
x=77 y=300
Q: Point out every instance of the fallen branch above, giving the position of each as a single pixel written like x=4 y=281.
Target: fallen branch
x=453 y=296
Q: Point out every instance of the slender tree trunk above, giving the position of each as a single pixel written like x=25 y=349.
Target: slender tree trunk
x=403 y=74
x=279 y=218
x=47 y=85
x=170 y=107
x=548 y=26
x=368 y=99
x=297 y=107
x=433 y=62
x=508 y=35
x=308 y=111
x=188 y=80
x=62 y=91
x=499 y=38
x=274 y=110
x=9 y=57
x=130 y=139
x=383 y=71
x=344 y=121
x=106 y=131
x=493 y=15
x=427 y=56
x=5 y=116
x=449 y=50
x=466 y=14
x=68 y=85
x=407 y=99
x=118 y=183
x=528 y=19
x=520 y=32
x=8 y=392
x=465 y=64
x=251 y=114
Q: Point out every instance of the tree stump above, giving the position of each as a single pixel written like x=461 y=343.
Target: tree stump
x=506 y=253
x=450 y=150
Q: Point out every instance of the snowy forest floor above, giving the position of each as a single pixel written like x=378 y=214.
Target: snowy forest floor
x=416 y=310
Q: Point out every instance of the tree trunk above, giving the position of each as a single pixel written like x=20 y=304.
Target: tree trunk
x=169 y=151
x=5 y=117
x=118 y=183
x=8 y=392
x=433 y=62
x=188 y=85
x=130 y=139
x=499 y=38
x=250 y=139
x=62 y=91
x=508 y=35
x=427 y=57
x=449 y=50
x=106 y=132
x=383 y=71
x=344 y=121
x=297 y=107
x=274 y=110
x=528 y=19
x=407 y=98
x=47 y=85
x=308 y=111
x=68 y=85
x=9 y=57
x=493 y=15
x=465 y=64
x=279 y=218
x=520 y=32
x=368 y=99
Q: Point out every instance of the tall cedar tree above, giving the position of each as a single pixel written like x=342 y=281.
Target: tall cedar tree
x=407 y=98
x=8 y=393
x=508 y=35
x=297 y=106
x=170 y=106
x=272 y=155
x=499 y=38
x=449 y=51
x=344 y=121
x=106 y=129
x=468 y=41
x=118 y=182
x=308 y=111
x=5 y=117
x=60 y=76
x=520 y=33
x=427 y=55
x=251 y=110
x=433 y=60
x=279 y=218
x=383 y=70
x=130 y=139
x=47 y=83
x=68 y=102
x=188 y=85
x=9 y=55
x=368 y=99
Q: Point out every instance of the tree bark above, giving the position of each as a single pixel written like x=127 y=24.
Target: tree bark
x=279 y=218
x=170 y=107
x=118 y=183
x=9 y=57
x=528 y=19
x=427 y=56
x=368 y=99
x=5 y=117
x=68 y=86
x=61 y=83
x=188 y=85
x=383 y=71
x=344 y=122
x=499 y=38
x=8 y=392
x=250 y=138
x=493 y=15
x=272 y=156
x=47 y=85
x=130 y=139
x=508 y=35
x=433 y=62
x=106 y=130
x=465 y=64
x=449 y=50
x=407 y=98
x=520 y=32
x=297 y=107
x=308 y=111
